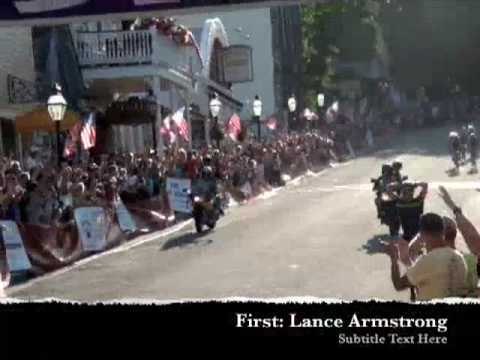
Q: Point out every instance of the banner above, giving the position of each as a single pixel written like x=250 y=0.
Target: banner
x=92 y=228
x=237 y=64
x=178 y=194
x=17 y=258
x=44 y=11
x=125 y=219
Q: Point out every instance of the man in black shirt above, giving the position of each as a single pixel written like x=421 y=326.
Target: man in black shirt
x=410 y=208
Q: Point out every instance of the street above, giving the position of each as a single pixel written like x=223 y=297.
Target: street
x=317 y=237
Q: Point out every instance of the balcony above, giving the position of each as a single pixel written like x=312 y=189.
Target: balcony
x=114 y=48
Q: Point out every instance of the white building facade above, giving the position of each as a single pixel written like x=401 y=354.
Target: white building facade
x=251 y=27
x=118 y=62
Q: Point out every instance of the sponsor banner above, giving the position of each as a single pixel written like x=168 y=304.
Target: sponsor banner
x=41 y=11
x=178 y=194
x=125 y=219
x=17 y=258
x=92 y=228
x=237 y=64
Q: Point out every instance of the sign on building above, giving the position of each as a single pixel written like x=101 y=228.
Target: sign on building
x=237 y=63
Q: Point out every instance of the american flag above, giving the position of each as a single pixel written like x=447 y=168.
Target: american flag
x=181 y=123
x=272 y=123
x=72 y=140
x=88 y=134
x=166 y=131
x=234 y=127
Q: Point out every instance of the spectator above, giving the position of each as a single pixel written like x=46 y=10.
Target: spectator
x=440 y=273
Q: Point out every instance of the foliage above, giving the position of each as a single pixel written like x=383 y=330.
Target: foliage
x=345 y=31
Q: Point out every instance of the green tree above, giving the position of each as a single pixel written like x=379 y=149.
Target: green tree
x=339 y=31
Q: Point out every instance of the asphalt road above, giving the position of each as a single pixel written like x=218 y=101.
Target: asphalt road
x=317 y=237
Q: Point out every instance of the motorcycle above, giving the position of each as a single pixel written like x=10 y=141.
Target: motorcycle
x=205 y=213
x=386 y=206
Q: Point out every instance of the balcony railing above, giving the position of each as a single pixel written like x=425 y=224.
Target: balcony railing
x=114 y=48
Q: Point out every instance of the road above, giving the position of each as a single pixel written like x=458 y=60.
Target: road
x=317 y=237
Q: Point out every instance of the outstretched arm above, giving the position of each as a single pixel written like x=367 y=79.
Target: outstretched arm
x=467 y=229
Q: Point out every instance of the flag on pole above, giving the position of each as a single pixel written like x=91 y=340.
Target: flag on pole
x=181 y=123
x=88 y=135
x=272 y=123
x=234 y=127
x=167 y=132
x=72 y=140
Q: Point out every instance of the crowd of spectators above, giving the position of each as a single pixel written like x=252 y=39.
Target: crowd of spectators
x=44 y=194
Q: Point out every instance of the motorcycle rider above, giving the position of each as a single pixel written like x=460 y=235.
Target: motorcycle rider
x=396 y=168
x=410 y=207
x=473 y=147
x=463 y=143
x=380 y=184
x=206 y=188
x=454 y=145
x=386 y=204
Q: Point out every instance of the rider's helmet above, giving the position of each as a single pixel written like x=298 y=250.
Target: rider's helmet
x=453 y=134
x=207 y=172
x=386 y=169
x=397 y=165
x=471 y=129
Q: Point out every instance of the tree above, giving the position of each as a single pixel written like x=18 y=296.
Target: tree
x=347 y=31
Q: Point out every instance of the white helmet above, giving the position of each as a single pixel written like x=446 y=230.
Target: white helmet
x=453 y=134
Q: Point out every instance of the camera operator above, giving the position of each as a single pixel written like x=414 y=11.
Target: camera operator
x=410 y=207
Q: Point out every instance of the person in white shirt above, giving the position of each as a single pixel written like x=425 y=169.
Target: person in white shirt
x=440 y=273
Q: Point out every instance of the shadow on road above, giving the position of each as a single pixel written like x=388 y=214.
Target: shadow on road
x=186 y=240
x=375 y=245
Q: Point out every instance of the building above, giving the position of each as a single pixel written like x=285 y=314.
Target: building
x=120 y=63
x=249 y=27
x=275 y=37
x=17 y=78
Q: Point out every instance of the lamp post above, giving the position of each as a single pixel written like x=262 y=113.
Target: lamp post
x=257 y=112
x=321 y=104
x=57 y=106
x=215 y=108
x=152 y=110
x=292 y=107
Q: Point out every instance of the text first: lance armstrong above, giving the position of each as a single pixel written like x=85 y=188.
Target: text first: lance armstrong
x=247 y=320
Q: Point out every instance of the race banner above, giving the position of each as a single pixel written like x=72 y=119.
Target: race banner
x=125 y=220
x=49 y=11
x=92 y=228
x=178 y=195
x=17 y=258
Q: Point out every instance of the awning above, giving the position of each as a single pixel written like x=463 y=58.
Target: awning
x=39 y=120
x=12 y=111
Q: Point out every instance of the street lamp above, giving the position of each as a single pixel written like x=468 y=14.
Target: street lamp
x=292 y=107
x=215 y=108
x=321 y=104
x=257 y=112
x=153 y=109
x=57 y=106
